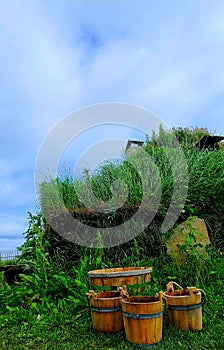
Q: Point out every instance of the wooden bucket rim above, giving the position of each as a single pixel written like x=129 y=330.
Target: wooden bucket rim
x=130 y=300
x=97 y=295
x=104 y=299
x=177 y=294
x=119 y=272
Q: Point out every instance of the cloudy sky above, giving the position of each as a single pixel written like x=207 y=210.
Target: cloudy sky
x=59 y=56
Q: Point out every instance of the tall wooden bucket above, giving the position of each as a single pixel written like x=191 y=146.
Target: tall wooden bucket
x=116 y=277
x=143 y=318
x=106 y=311
x=184 y=307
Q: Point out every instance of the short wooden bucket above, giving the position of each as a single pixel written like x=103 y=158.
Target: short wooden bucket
x=120 y=276
x=184 y=307
x=143 y=319
x=106 y=311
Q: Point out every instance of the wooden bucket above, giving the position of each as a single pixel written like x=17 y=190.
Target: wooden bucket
x=184 y=307
x=143 y=319
x=120 y=276
x=106 y=311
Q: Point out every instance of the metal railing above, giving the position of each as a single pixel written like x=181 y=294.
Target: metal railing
x=10 y=255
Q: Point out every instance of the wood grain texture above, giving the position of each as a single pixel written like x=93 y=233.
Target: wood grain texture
x=184 y=308
x=106 y=311
x=143 y=319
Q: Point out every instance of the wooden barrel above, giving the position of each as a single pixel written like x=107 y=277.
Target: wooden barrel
x=106 y=311
x=143 y=319
x=120 y=276
x=184 y=307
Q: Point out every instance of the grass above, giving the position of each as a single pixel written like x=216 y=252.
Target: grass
x=205 y=195
x=49 y=310
x=58 y=324
x=78 y=335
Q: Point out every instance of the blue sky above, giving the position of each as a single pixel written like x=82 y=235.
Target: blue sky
x=59 y=56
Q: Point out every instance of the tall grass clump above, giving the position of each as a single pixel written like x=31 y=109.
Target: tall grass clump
x=206 y=190
x=205 y=193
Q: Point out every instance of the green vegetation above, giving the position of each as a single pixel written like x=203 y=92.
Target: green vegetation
x=49 y=310
x=205 y=197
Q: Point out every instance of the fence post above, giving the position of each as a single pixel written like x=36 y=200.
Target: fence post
x=10 y=255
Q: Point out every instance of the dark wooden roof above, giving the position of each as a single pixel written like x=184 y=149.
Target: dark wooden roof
x=208 y=141
x=131 y=143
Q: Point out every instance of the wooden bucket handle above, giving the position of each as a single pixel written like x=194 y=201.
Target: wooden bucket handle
x=124 y=292
x=204 y=297
x=160 y=296
x=91 y=294
x=170 y=285
x=170 y=288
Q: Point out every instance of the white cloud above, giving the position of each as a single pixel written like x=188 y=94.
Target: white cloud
x=12 y=228
x=8 y=246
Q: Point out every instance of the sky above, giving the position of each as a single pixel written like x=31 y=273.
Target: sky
x=59 y=56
